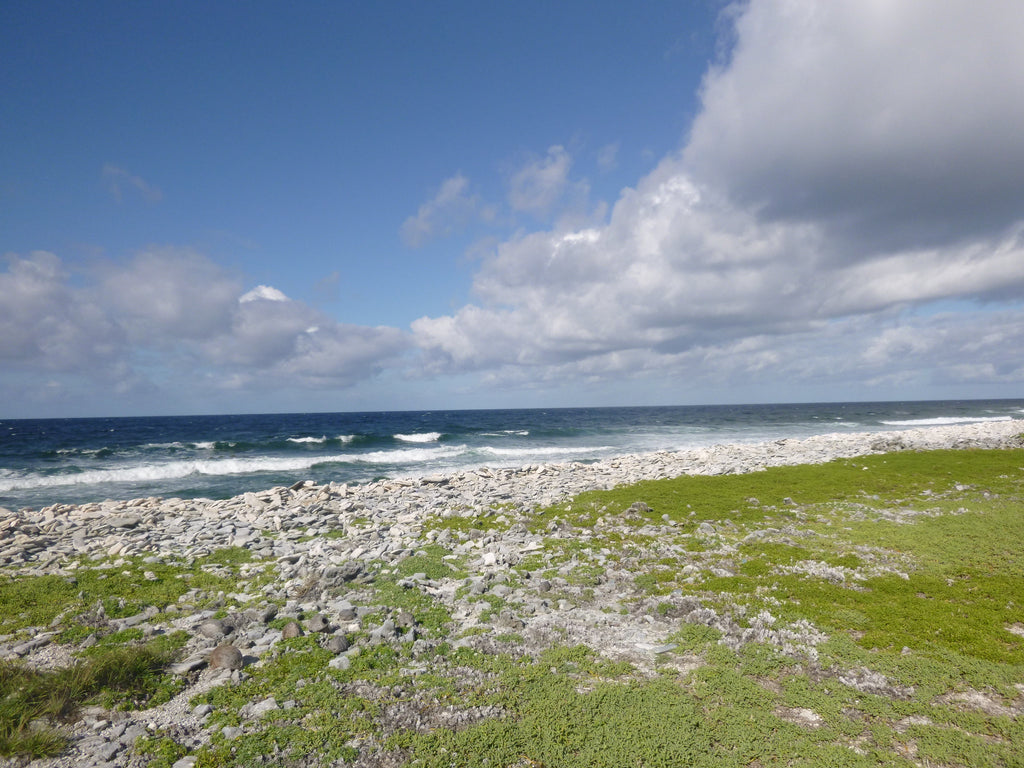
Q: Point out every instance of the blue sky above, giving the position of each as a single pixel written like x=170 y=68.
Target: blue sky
x=222 y=207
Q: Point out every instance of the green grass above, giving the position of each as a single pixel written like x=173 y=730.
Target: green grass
x=34 y=702
x=759 y=496
x=429 y=560
x=121 y=590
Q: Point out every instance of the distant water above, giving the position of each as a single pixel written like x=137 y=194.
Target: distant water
x=43 y=461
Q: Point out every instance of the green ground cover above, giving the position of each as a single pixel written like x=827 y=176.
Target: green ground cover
x=884 y=594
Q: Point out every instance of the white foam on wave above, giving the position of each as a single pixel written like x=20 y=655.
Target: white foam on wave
x=940 y=420
x=500 y=432
x=206 y=445
x=84 y=451
x=564 y=450
x=409 y=455
x=322 y=439
x=174 y=470
x=346 y=438
x=419 y=437
x=171 y=470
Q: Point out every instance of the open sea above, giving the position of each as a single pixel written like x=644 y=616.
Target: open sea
x=45 y=461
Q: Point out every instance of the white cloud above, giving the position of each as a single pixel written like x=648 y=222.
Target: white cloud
x=169 y=294
x=263 y=292
x=47 y=325
x=894 y=121
x=118 y=179
x=539 y=184
x=853 y=161
x=447 y=211
x=159 y=319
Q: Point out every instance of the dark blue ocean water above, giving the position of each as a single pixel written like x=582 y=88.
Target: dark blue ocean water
x=44 y=461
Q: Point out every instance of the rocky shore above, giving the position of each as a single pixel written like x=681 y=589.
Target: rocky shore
x=325 y=546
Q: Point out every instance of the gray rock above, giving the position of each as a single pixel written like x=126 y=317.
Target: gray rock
x=337 y=644
x=268 y=613
x=291 y=629
x=706 y=529
x=340 y=662
x=213 y=629
x=383 y=633
x=132 y=733
x=346 y=611
x=226 y=657
x=317 y=623
x=350 y=570
x=508 y=620
x=107 y=751
x=261 y=708
x=191 y=664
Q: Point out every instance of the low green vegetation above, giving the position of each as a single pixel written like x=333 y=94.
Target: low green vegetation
x=909 y=568
x=89 y=591
x=33 y=702
x=118 y=668
x=864 y=612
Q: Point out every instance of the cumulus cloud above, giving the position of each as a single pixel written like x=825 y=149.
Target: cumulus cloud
x=853 y=161
x=447 y=211
x=46 y=325
x=118 y=180
x=166 y=313
x=897 y=123
x=271 y=334
x=264 y=293
x=168 y=294
x=847 y=210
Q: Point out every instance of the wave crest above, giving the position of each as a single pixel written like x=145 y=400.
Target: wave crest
x=419 y=437
x=937 y=421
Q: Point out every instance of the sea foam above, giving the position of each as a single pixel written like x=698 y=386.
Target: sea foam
x=939 y=421
x=419 y=437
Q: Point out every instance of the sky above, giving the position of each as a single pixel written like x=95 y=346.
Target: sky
x=225 y=207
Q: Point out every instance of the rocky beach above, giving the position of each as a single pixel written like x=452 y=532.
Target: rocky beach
x=465 y=545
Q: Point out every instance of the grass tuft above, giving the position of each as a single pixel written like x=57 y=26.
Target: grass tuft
x=34 y=702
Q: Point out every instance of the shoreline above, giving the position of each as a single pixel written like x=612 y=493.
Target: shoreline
x=506 y=583
x=545 y=484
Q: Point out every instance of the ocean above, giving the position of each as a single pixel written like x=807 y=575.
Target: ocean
x=47 y=461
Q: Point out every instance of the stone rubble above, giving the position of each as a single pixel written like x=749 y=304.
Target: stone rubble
x=320 y=537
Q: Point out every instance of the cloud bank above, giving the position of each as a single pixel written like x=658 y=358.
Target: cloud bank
x=854 y=163
x=171 y=318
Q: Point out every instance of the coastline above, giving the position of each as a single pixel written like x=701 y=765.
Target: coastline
x=330 y=547
x=529 y=486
